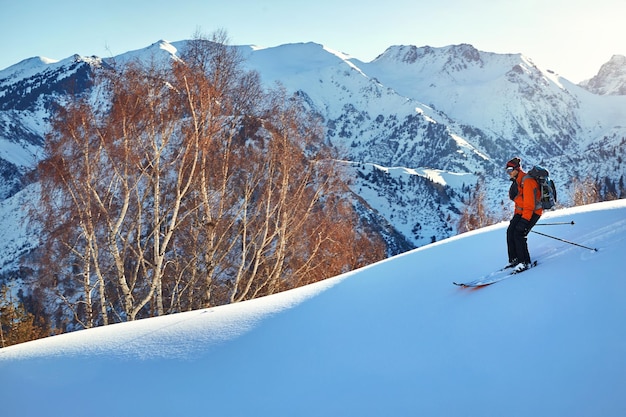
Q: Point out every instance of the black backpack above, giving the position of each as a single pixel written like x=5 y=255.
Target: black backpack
x=546 y=186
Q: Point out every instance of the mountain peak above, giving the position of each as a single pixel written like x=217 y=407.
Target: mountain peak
x=610 y=80
x=27 y=65
x=410 y=54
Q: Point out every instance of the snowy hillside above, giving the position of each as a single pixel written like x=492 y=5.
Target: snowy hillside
x=393 y=339
x=15 y=234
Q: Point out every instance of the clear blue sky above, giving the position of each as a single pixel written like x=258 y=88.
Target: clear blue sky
x=572 y=37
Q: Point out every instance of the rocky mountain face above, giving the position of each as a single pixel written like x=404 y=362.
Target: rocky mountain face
x=28 y=90
x=610 y=80
x=434 y=121
x=417 y=127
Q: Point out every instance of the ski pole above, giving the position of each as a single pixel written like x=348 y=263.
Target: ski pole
x=566 y=241
x=554 y=224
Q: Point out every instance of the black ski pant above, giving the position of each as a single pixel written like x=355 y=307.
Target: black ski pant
x=516 y=238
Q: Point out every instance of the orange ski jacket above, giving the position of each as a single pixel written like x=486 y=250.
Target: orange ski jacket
x=528 y=198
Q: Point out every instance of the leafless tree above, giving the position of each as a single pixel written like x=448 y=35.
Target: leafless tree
x=476 y=213
x=584 y=191
x=187 y=185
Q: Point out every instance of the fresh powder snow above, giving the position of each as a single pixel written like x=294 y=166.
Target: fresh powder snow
x=396 y=338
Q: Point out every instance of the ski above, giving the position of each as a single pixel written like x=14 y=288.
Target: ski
x=492 y=278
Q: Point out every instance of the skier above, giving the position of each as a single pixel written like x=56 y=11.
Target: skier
x=525 y=194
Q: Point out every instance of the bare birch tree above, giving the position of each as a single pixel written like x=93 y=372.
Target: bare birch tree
x=585 y=191
x=476 y=213
x=187 y=185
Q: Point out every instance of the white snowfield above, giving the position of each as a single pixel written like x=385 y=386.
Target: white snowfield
x=396 y=338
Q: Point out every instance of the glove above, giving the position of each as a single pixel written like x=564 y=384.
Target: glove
x=523 y=227
x=513 y=190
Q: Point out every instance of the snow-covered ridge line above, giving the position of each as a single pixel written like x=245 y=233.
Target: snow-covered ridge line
x=456 y=111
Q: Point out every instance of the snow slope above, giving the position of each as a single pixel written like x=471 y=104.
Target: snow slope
x=392 y=339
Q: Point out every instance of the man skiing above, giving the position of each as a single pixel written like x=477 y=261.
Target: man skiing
x=525 y=193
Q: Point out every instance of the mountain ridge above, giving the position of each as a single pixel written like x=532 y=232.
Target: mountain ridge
x=451 y=109
x=611 y=79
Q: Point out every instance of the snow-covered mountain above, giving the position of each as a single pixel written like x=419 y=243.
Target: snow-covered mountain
x=28 y=90
x=611 y=79
x=392 y=339
x=417 y=126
